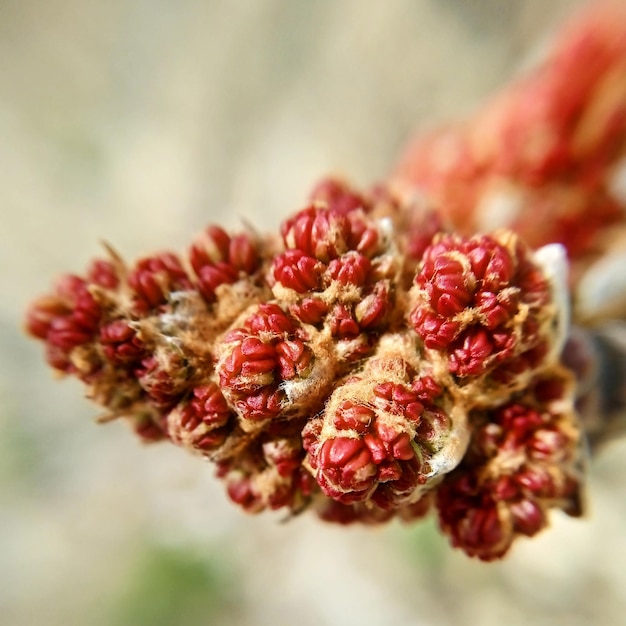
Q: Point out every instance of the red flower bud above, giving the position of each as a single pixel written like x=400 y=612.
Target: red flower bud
x=346 y=470
x=218 y=259
x=154 y=278
x=372 y=311
x=66 y=333
x=309 y=310
x=200 y=422
x=104 y=274
x=211 y=247
x=210 y=277
x=164 y=376
x=121 y=344
x=338 y=196
x=350 y=269
x=295 y=270
x=284 y=454
x=271 y=319
x=353 y=416
x=243 y=254
x=342 y=323
x=326 y=234
x=41 y=314
x=318 y=233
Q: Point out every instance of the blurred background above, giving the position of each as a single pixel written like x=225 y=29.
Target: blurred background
x=139 y=121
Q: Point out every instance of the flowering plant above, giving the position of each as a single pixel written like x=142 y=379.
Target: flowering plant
x=379 y=357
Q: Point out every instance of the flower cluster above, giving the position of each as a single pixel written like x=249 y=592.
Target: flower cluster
x=522 y=461
x=483 y=307
x=324 y=368
x=393 y=352
x=387 y=434
x=140 y=337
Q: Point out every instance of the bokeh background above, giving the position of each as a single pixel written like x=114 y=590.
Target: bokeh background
x=139 y=121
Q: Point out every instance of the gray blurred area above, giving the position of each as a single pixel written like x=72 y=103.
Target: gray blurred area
x=137 y=122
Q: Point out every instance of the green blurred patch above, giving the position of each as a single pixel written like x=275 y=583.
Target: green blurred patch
x=169 y=586
x=424 y=546
x=20 y=454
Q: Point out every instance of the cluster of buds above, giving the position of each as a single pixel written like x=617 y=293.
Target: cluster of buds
x=140 y=337
x=376 y=359
x=487 y=312
x=334 y=367
x=521 y=462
